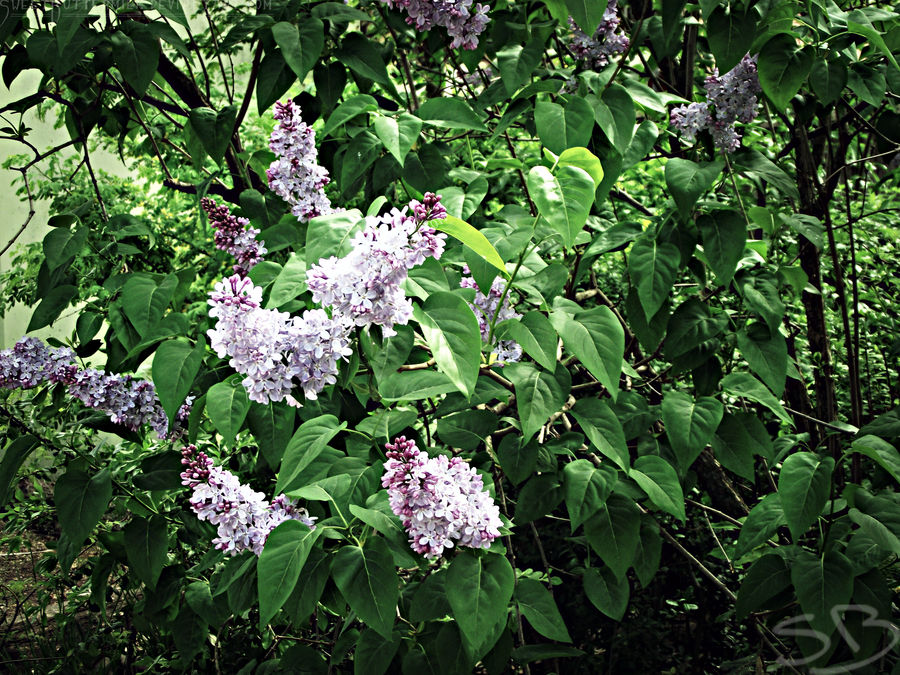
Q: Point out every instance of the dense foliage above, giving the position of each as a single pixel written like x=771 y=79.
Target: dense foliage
x=548 y=336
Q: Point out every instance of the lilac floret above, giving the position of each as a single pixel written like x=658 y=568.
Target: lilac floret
x=234 y=236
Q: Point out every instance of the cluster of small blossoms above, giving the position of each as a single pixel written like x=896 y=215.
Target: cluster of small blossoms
x=606 y=42
x=296 y=175
x=365 y=285
x=730 y=98
x=271 y=348
x=234 y=237
x=488 y=309
x=127 y=401
x=242 y=516
x=439 y=500
x=463 y=20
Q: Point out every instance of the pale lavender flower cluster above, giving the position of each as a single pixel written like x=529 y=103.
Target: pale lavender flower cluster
x=271 y=348
x=731 y=98
x=127 y=401
x=242 y=516
x=439 y=500
x=365 y=286
x=606 y=42
x=233 y=236
x=463 y=20
x=296 y=175
x=487 y=309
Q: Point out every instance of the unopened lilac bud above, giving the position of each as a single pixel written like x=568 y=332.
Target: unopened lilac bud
x=233 y=236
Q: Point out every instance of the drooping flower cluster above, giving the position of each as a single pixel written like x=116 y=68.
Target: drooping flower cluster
x=488 y=309
x=439 y=500
x=296 y=175
x=271 y=348
x=365 y=285
x=606 y=42
x=463 y=20
x=242 y=516
x=730 y=98
x=127 y=401
x=233 y=236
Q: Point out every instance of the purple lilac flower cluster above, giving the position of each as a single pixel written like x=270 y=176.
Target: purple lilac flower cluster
x=607 y=41
x=463 y=20
x=233 y=236
x=731 y=98
x=296 y=175
x=488 y=308
x=271 y=348
x=439 y=500
x=129 y=402
x=243 y=517
x=365 y=286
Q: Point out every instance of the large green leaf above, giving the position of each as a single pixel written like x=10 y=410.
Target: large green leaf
x=823 y=583
x=136 y=54
x=146 y=544
x=765 y=579
x=828 y=79
x=614 y=532
x=766 y=354
x=175 y=365
x=451 y=332
x=51 y=306
x=517 y=63
x=564 y=200
x=278 y=570
x=144 y=301
x=535 y=334
x=653 y=267
x=469 y=236
x=560 y=128
x=352 y=107
x=330 y=235
x=688 y=180
x=744 y=384
x=539 y=393
x=690 y=424
x=398 y=134
x=583 y=159
x=603 y=428
x=614 y=113
x=272 y=426
x=61 y=244
x=724 y=234
x=587 y=14
x=450 y=113
x=366 y=578
x=214 y=129
x=648 y=553
x=730 y=35
x=607 y=592
x=538 y=606
x=227 y=405
x=884 y=454
x=782 y=67
x=300 y=47
x=804 y=485
x=479 y=588
x=586 y=489
x=363 y=56
x=761 y=524
x=659 y=480
x=81 y=500
x=307 y=443
x=290 y=282
x=414 y=385
x=14 y=454
x=739 y=437
x=597 y=338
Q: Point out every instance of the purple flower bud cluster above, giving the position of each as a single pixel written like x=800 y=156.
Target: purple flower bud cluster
x=607 y=41
x=243 y=517
x=233 y=236
x=463 y=20
x=129 y=402
x=296 y=175
x=271 y=348
x=487 y=308
x=731 y=98
x=439 y=500
x=365 y=286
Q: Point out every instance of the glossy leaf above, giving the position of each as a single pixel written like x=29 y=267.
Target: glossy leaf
x=564 y=200
x=597 y=338
x=366 y=578
x=539 y=393
x=690 y=424
x=175 y=366
x=804 y=485
x=606 y=592
x=278 y=570
x=451 y=332
x=81 y=499
x=479 y=589
x=227 y=405
x=537 y=605
x=614 y=532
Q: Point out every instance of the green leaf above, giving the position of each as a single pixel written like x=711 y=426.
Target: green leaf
x=648 y=554
x=804 y=485
x=305 y=445
x=289 y=284
x=614 y=532
x=597 y=338
x=822 y=583
x=858 y=23
x=144 y=301
x=348 y=110
x=730 y=35
x=516 y=460
x=175 y=365
x=214 y=129
x=414 y=385
x=450 y=113
x=14 y=455
x=366 y=579
x=606 y=592
x=451 y=332
x=539 y=393
x=690 y=424
x=587 y=14
x=561 y=128
x=782 y=67
x=658 y=479
x=756 y=165
x=479 y=589
x=809 y=226
x=653 y=267
x=739 y=437
x=563 y=200
x=81 y=500
x=529 y=653
x=538 y=497
x=278 y=570
x=373 y=654
x=364 y=57
x=538 y=606
x=466 y=430
x=765 y=579
x=398 y=134
x=146 y=544
x=330 y=235
x=766 y=354
x=517 y=63
x=724 y=234
x=51 y=307
x=761 y=524
x=300 y=47
x=603 y=428
x=688 y=180
x=828 y=79
x=614 y=113
x=884 y=454
x=227 y=405
x=469 y=236
x=583 y=159
x=744 y=384
x=586 y=489
x=61 y=244
x=136 y=55
x=171 y=9
x=877 y=531
x=535 y=334
x=272 y=426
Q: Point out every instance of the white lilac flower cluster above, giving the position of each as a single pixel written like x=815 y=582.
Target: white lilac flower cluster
x=242 y=516
x=127 y=401
x=365 y=286
x=463 y=20
x=296 y=175
x=487 y=309
x=439 y=500
x=606 y=42
x=730 y=98
x=233 y=236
